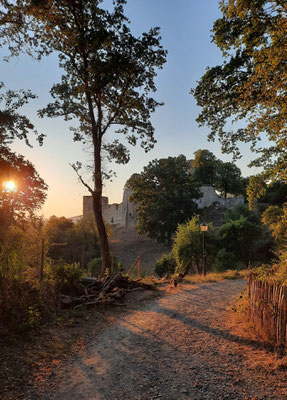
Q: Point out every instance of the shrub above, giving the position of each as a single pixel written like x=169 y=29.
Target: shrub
x=187 y=245
x=166 y=264
x=62 y=272
x=95 y=266
x=225 y=260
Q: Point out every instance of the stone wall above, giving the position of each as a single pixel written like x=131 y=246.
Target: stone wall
x=209 y=197
x=125 y=215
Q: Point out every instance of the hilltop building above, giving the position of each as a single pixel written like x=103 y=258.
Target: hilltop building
x=124 y=214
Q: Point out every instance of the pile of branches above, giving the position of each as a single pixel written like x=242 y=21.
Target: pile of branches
x=93 y=291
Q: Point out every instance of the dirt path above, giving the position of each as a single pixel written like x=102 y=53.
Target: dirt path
x=177 y=347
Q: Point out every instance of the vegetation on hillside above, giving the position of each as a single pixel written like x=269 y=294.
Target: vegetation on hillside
x=164 y=193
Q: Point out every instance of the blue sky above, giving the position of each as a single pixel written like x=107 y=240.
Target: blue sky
x=185 y=30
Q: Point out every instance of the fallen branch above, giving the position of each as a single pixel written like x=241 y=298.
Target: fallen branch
x=98 y=292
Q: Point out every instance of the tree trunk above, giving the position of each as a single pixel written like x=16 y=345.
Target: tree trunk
x=97 y=208
x=105 y=251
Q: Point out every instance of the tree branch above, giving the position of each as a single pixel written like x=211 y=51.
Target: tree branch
x=76 y=169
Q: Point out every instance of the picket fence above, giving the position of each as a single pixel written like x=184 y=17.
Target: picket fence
x=268 y=311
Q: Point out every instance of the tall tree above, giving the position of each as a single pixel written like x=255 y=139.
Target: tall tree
x=228 y=179
x=164 y=193
x=107 y=80
x=224 y=176
x=30 y=190
x=204 y=166
x=251 y=83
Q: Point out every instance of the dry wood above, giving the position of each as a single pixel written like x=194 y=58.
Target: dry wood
x=106 y=291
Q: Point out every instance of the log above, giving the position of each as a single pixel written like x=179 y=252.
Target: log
x=106 y=291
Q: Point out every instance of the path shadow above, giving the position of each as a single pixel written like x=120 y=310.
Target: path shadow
x=221 y=333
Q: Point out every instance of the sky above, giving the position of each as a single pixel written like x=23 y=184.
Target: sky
x=186 y=35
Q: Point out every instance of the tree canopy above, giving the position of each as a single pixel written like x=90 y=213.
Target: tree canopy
x=204 y=167
x=30 y=191
x=164 y=193
x=13 y=124
x=250 y=86
x=228 y=179
x=224 y=176
x=67 y=240
x=108 y=75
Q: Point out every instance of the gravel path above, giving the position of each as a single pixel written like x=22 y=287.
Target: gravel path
x=177 y=347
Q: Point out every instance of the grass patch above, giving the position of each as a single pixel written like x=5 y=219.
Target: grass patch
x=212 y=277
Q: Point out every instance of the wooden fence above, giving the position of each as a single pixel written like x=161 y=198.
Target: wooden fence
x=268 y=311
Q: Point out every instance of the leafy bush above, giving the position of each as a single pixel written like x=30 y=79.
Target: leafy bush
x=225 y=260
x=95 y=266
x=62 y=272
x=240 y=237
x=23 y=304
x=166 y=264
x=187 y=246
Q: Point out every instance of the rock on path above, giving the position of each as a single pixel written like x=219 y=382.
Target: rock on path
x=177 y=347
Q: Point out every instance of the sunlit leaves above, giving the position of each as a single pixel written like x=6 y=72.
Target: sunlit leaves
x=31 y=189
x=250 y=86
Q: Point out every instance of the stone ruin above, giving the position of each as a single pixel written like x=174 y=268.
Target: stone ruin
x=124 y=214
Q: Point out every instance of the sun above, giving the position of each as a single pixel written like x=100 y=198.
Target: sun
x=10 y=186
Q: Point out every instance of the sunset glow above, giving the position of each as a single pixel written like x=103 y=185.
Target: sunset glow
x=10 y=186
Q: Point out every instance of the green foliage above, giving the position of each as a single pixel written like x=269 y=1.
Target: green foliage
x=250 y=85
x=164 y=193
x=95 y=266
x=273 y=273
x=275 y=194
x=263 y=244
x=188 y=248
x=205 y=164
x=62 y=272
x=24 y=304
x=255 y=190
x=187 y=245
x=228 y=179
x=224 y=176
x=275 y=218
x=166 y=264
x=242 y=211
x=66 y=240
x=225 y=260
x=239 y=237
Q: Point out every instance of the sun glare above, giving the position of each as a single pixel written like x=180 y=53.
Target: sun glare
x=10 y=186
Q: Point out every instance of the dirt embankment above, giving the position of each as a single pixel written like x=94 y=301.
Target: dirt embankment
x=178 y=346
x=127 y=245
